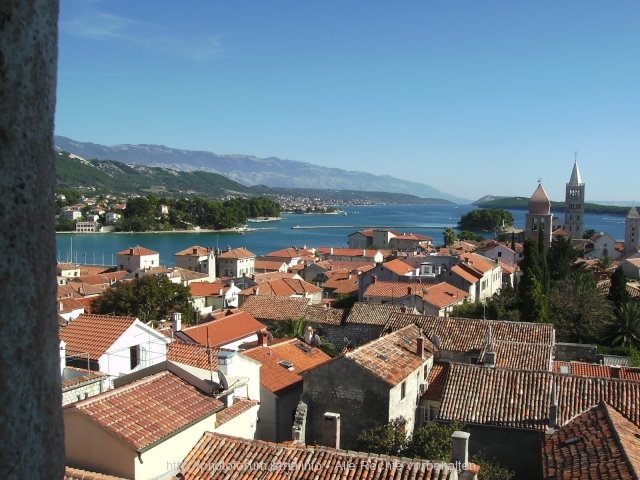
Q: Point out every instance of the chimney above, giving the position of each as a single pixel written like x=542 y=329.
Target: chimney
x=226 y=370
x=420 y=347
x=403 y=309
x=63 y=355
x=331 y=250
x=176 y=322
x=61 y=306
x=331 y=430
x=490 y=352
x=373 y=279
x=308 y=334
x=262 y=338
x=195 y=250
x=460 y=449
x=131 y=251
x=553 y=409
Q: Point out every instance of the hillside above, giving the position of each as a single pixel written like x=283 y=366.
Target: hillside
x=522 y=203
x=109 y=176
x=249 y=170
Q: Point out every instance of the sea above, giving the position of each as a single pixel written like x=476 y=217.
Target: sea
x=298 y=230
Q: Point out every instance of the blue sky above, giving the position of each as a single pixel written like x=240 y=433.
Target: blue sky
x=471 y=97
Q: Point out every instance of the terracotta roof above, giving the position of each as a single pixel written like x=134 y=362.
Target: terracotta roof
x=273 y=265
x=101 y=278
x=371 y=313
x=196 y=355
x=347 y=252
x=218 y=449
x=599 y=444
x=94 y=334
x=138 y=251
x=274 y=308
x=465 y=334
x=521 y=398
x=594 y=370
x=325 y=315
x=283 y=287
x=277 y=377
x=395 y=289
x=207 y=289
x=237 y=253
x=443 y=294
x=238 y=408
x=224 y=330
x=270 y=276
x=399 y=267
x=143 y=412
x=392 y=357
x=71 y=473
x=73 y=377
x=539 y=202
x=196 y=250
x=437 y=380
x=521 y=355
x=290 y=253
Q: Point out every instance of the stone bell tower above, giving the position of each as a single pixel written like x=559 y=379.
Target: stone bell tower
x=574 y=204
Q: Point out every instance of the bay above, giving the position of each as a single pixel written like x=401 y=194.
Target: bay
x=317 y=231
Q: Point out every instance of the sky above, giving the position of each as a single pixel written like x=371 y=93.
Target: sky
x=471 y=97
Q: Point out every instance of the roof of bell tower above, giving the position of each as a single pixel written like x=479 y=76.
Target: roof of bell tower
x=575 y=175
x=539 y=202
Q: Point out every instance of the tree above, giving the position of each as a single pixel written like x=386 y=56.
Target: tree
x=486 y=220
x=389 y=439
x=450 y=236
x=291 y=328
x=561 y=257
x=589 y=233
x=618 y=293
x=151 y=299
x=624 y=329
x=532 y=292
x=433 y=441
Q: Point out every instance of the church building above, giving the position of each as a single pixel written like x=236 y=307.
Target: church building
x=574 y=205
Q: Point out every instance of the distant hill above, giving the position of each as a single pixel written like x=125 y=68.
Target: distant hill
x=250 y=171
x=522 y=203
x=109 y=176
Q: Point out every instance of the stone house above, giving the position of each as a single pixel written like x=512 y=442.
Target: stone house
x=477 y=275
x=369 y=386
x=198 y=259
x=283 y=363
x=236 y=263
x=138 y=258
x=631 y=268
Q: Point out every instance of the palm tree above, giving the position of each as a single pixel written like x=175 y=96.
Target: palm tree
x=291 y=328
x=624 y=331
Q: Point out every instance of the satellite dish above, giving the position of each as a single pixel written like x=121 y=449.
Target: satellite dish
x=269 y=337
x=316 y=339
x=223 y=380
x=437 y=341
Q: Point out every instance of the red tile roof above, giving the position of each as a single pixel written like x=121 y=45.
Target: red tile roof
x=392 y=357
x=325 y=315
x=465 y=334
x=237 y=253
x=71 y=473
x=371 y=313
x=599 y=444
x=224 y=330
x=238 y=408
x=436 y=380
x=138 y=251
x=142 y=413
x=277 y=378
x=521 y=398
x=196 y=250
x=196 y=355
x=443 y=294
x=399 y=267
x=207 y=289
x=274 y=308
x=94 y=334
x=283 y=287
x=256 y=459
x=290 y=253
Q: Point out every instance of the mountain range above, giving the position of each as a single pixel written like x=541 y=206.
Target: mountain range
x=250 y=171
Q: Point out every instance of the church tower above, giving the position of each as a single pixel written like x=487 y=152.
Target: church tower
x=631 y=231
x=539 y=217
x=574 y=204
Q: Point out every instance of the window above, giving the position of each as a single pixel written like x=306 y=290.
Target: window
x=403 y=390
x=134 y=353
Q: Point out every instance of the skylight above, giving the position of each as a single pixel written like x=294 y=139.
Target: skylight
x=303 y=347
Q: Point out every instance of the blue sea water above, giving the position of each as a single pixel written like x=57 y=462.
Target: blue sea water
x=430 y=220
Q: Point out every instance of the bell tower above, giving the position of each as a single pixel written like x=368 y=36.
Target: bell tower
x=574 y=204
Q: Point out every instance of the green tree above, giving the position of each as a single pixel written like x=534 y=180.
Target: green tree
x=589 y=233
x=291 y=328
x=618 y=293
x=432 y=441
x=450 y=236
x=532 y=292
x=486 y=219
x=561 y=257
x=624 y=329
x=389 y=439
x=151 y=298
x=579 y=308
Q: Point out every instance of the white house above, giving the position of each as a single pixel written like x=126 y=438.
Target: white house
x=602 y=245
x=198 y=259
x=112 y=217
x=236 y=263
x=112 y=344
